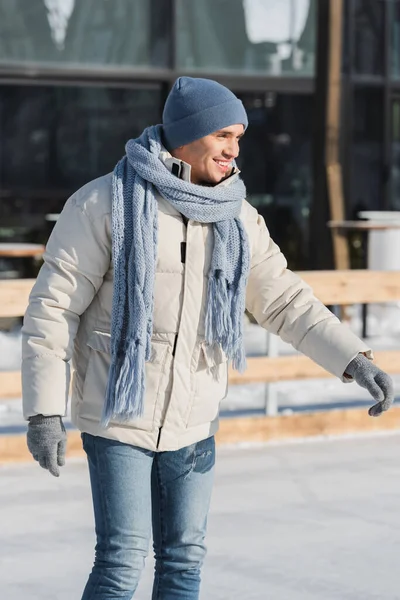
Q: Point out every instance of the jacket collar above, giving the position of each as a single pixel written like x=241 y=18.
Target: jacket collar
x=183 y=170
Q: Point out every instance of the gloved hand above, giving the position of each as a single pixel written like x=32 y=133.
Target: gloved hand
x=47 y=442
x=377 y=382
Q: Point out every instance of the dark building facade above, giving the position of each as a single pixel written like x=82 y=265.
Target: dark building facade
x=80 y=77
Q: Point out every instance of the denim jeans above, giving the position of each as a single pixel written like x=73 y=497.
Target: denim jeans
x=135 y=491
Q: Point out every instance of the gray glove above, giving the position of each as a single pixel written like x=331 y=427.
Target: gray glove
x=377 y=382
x=47 y=442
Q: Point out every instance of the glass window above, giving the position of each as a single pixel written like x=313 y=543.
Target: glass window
x=369 y=29
x=274 y=37
x=84 y=32
x=367 y=166
x=395 y=45
x=55 y=139
x=395 y=180
x=275 y=159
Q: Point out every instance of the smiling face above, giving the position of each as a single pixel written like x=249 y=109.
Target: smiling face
x=211 y=157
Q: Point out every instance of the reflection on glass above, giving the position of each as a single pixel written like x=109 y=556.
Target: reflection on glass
x=368 y=37
x=59 y=138
x=367 y=150
x=275 y=159
x=395 y=46
x=84 y=32
x=395 y=182
x=275 y=37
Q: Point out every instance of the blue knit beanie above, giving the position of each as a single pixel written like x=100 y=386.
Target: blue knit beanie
x=197 y=107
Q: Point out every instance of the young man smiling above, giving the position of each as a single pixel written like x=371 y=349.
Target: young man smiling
x=145 y=280
x=211 y=157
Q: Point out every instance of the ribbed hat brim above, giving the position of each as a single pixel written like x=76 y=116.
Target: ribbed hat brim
x=200 y=124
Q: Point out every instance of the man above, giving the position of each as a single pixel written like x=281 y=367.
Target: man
x=145 y=280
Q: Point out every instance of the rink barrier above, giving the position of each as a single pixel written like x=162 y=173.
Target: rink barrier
x=14 y=296
x=249 y=430
x=333 y=288
x=265 y=369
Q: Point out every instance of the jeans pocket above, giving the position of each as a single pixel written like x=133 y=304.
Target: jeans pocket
x=204 y=455
x=85 y=437
x=88 y=444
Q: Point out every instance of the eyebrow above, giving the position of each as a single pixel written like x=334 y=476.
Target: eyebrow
x=230 y=133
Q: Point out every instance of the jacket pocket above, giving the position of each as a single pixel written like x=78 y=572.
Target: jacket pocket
x=210 y=384
x=100 y=341
x=211 y=357
x=95 y=384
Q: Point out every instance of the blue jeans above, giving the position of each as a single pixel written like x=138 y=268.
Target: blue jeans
x=136 y=490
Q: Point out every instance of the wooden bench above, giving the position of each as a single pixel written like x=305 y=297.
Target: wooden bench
x=19 y=258
x=14 y=296
x=332 y=288
x=20 y=250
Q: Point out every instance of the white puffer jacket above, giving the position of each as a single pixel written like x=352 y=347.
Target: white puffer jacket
x=69 y=317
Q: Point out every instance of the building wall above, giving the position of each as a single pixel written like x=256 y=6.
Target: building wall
x=371 y=96
x=80 y=77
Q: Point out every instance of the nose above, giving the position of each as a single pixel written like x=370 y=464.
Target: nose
x=231 y=150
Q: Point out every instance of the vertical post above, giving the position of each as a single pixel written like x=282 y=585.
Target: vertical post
x=333 y=166
x=271 y=396
x=389 y=15
x=328 y=201
x=292 y=26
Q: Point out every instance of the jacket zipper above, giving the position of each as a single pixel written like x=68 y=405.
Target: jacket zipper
x=175 y=343
x=158 y=438
x=183 y=259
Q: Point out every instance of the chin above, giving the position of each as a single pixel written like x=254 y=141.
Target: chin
x=211 y=180
x=217 y=178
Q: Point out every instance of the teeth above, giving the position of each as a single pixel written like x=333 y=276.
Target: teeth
x=222 y=163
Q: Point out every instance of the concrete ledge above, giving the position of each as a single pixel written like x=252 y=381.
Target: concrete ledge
x=246 y=429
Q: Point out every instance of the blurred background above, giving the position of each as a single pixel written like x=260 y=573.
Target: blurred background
x=78 y=78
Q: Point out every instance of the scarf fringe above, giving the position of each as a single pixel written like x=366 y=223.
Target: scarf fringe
x=224 y=315
x=239 y=359
x=125 y=389
x=238 y=355
x=218 y=320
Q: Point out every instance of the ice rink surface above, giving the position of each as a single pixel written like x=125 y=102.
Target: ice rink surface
x=315 y=520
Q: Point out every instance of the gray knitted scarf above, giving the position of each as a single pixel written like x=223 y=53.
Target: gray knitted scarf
x=136 y=178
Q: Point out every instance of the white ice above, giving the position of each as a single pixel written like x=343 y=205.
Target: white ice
x=301 y=521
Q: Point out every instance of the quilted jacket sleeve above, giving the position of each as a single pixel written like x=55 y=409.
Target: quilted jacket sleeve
x=77 y=256
x=284 y=304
